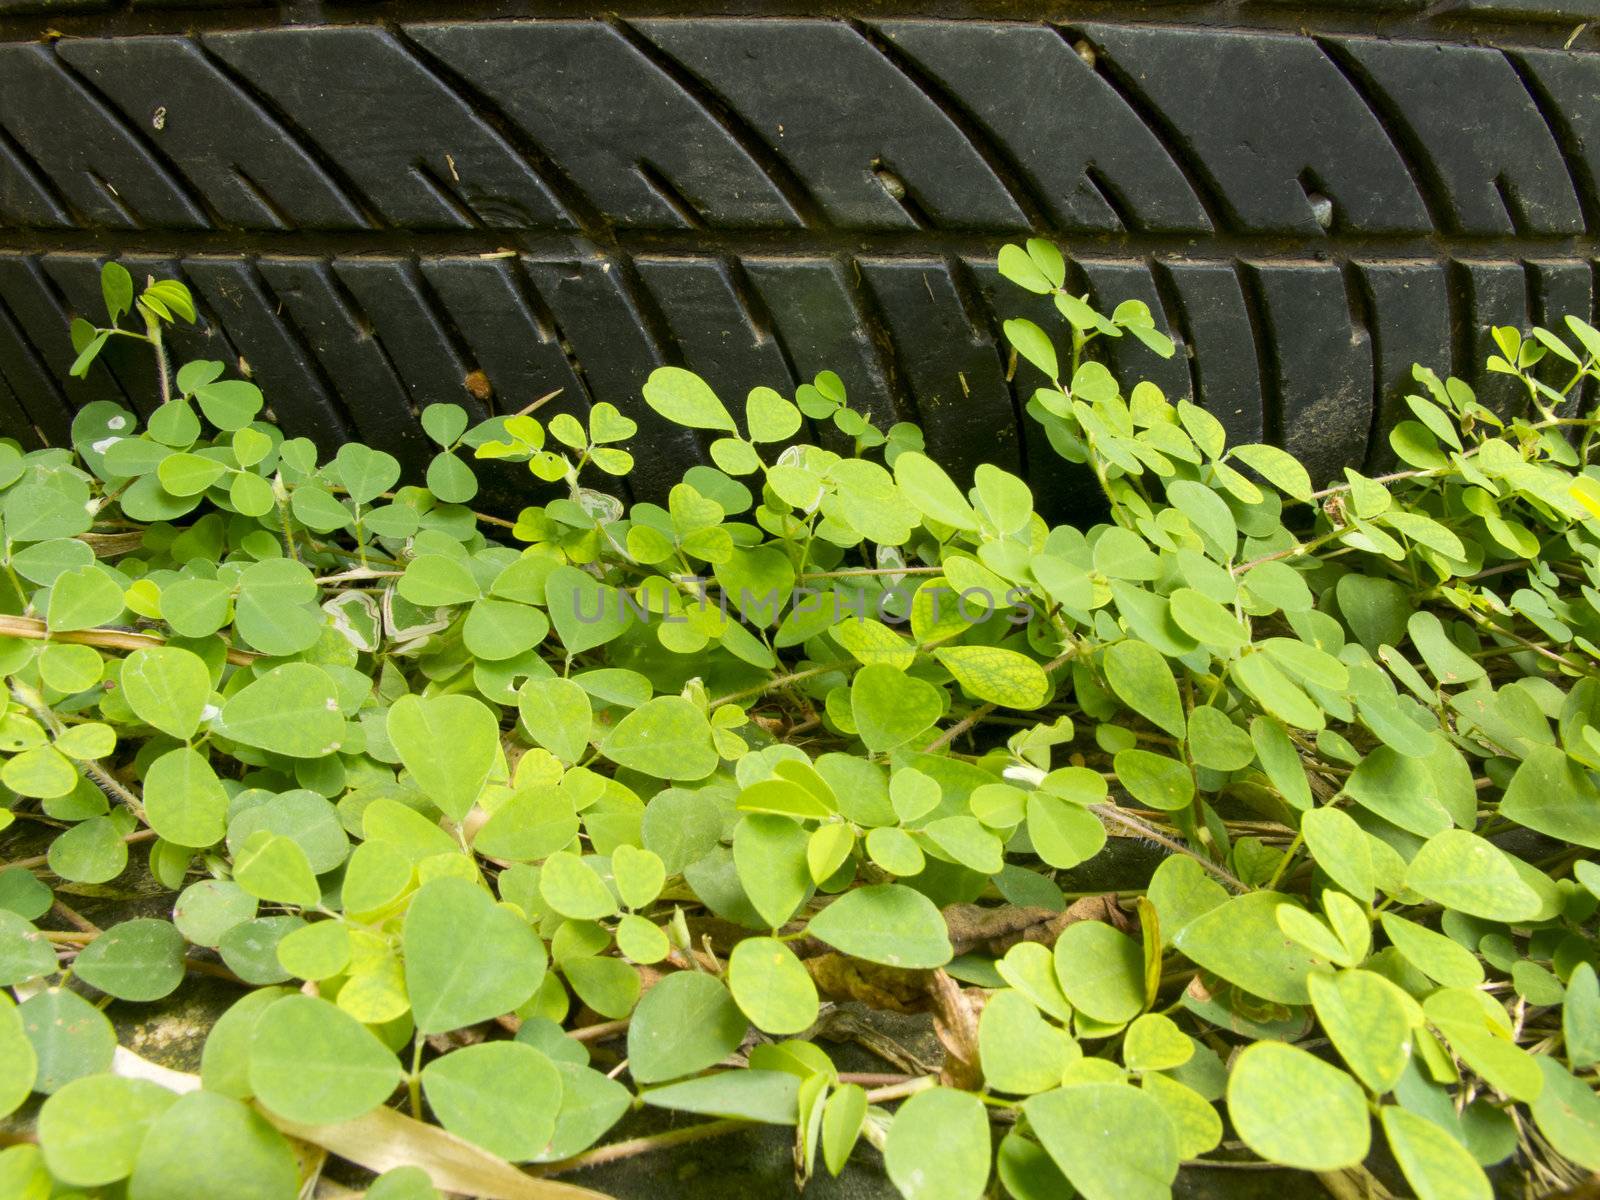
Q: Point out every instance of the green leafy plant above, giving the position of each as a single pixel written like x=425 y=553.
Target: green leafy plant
x=488 y=816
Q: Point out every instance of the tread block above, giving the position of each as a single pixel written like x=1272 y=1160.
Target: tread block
x=640 y=148
x=1478 y=133
x=1410 y=308
x=359 y=370
x=244 y=163
x=1568 y=86
x=1130 y=360
x=97 y=167
x=1090 y=161
x=1490 y=294
x=852 y=126
x=77 y=279
x=821 y=328
x=418 y=152
x=1321 y=363
x=1287 y=124
x=46 y=413
x=278 y=359
x=950 y=364
x=719 y=336
x=599 y=314
x=1221 y=345
x=1559 y=288
x=41 y=317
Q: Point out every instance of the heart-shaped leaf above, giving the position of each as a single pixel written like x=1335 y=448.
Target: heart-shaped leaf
x=449 y=744
x=467 y=958
x=166 y=687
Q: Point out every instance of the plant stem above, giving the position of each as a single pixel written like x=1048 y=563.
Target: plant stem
x=107 y=782
x=1112 y=813
x=414 y=1080
x=1283 y=862
x=777 y=681
x=617 y=1151
x=899 y=1091
x=852 y=572
x=1294 y=551
x=72 y=917
x=960 y=727
x=93 y=768
x=357 y=573
x=33 y=629
x=633 y=1147
x=282 y=497
x=598 y=1033
x=161 y=358
x=43 y=860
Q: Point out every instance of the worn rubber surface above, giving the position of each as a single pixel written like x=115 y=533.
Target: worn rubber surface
x=375 y=202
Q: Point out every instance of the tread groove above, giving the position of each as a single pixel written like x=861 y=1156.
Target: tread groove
x=1266 y=353
x=111 y=194
x=447 y=324
x=42 y=372
x=983 y=317
x=1463 y=346
x=657 y=329
x=1363 y=309
x=876 y=325
x=308 y=353
x=1176 y=313
x=434 y=182
x=547 y=323
x=670 y=194
x=58 y=300
x=260 y=196
x=360 y=318
x=1113 y=197
x=13 y=153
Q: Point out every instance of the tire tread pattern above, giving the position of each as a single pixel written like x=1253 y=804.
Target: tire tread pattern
x=370 y=214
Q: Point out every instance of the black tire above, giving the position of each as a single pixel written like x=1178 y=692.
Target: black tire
x=374 y=204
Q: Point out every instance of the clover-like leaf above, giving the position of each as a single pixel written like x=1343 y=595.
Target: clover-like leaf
x=449 y=745
x=313 y=1063
x=467 y=959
